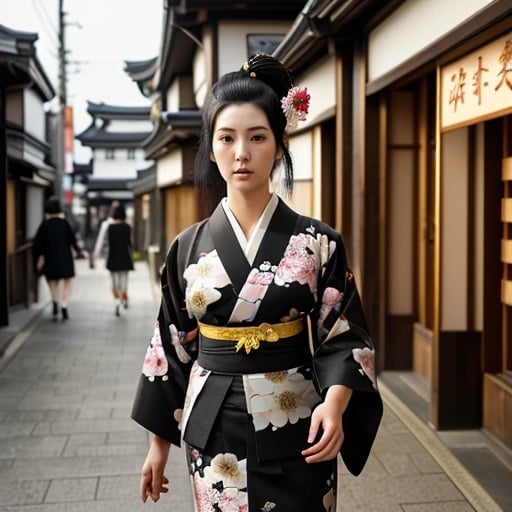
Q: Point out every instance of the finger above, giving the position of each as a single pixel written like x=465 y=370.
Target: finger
x=164 y=485
x=313 y=430
x=329 y=439
x=155 y=488
x=164 y=481
x=145 y=488
x=327 y=452
x=316 y=449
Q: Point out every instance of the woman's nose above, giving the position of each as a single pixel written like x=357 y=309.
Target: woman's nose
x=242 y=152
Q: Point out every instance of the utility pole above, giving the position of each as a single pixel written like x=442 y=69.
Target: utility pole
x=63 y=97
x=65 y=151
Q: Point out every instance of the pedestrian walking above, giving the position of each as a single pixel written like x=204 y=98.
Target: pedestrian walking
x=101 y=244
x=261 y=360
x=119 y=256
x=54 y=244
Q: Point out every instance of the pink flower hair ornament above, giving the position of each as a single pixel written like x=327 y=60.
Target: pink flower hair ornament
x=295 y=106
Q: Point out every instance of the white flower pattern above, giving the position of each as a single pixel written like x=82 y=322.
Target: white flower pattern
x=219 y=483
x=203 y=278
x=279 y=398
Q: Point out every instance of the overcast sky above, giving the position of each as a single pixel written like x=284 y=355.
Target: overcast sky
x=109 y=33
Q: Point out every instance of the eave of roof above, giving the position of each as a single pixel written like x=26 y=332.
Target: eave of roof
x=19 y=64
x=182 y=118
x=83 y=169
x=28 y=150
x=99 y=184
x=321 y=19
x=247 y=7
x=141 y=69
x=142 y=73
x=99 y=138
x=105 y=111
x=179 y=42
x=144 y=182
x=173 y=128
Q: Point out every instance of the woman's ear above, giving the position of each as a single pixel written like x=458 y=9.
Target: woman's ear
x=212 y=157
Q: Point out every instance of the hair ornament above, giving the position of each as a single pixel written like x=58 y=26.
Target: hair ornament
x=295 y=106
x=246 y=67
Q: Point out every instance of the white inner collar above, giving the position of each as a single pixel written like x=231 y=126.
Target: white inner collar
x=250 y=247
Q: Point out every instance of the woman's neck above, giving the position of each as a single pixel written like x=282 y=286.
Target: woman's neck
x=247 y=211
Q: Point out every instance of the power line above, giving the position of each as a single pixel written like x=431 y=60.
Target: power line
x=47 y=24
x=48 y=17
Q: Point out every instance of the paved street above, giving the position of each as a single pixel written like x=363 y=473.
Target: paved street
x=67 y=443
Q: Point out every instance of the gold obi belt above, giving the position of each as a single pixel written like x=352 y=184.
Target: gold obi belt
x=250 y=337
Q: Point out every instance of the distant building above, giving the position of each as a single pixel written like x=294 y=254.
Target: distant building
x=115 y=135
x=29 y=156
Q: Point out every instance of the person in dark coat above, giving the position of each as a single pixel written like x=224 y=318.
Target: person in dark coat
x=120 y=256
x=54 y=244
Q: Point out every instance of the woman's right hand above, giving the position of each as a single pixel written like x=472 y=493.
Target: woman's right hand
x=152 y=478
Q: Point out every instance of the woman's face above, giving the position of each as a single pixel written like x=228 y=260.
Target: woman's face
x=244 y=148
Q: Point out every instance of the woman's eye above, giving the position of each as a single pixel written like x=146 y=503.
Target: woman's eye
x=225 y=138
x=258 y=138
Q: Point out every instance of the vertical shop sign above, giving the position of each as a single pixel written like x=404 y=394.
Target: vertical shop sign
x=478 y=86
x=67 y=182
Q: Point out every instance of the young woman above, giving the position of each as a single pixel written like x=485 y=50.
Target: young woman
x=261 y=361
x=54 y=244
x=120 y=256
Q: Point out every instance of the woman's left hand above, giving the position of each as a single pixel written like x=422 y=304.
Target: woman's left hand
x=326 y=430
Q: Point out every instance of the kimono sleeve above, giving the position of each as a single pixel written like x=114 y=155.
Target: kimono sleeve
x=345 y=355
x=162 y=386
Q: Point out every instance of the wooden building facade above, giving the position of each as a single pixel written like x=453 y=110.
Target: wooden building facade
x=412 y=147
x=29 y=159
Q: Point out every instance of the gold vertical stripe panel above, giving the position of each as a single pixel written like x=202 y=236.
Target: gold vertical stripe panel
x=506 y=169
x=506 y=251
x=506 y=292
x=506 y=210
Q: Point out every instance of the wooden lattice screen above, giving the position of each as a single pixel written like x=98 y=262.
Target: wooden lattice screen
x=506 y=258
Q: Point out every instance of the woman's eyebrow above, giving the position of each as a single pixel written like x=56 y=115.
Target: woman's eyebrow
x=251 y=128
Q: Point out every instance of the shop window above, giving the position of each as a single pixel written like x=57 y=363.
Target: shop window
x=263 y=43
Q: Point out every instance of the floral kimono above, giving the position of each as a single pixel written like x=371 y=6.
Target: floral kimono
x=249 y=336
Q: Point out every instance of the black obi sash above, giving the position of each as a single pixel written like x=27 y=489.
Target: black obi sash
x=221 y=357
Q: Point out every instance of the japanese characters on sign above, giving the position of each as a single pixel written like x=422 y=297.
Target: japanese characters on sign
x=477 y=86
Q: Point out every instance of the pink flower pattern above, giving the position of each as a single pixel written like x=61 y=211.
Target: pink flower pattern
x=260 y=278
x=299 y=263
x=155 y=363
x=366 y=358
x=330 y=299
